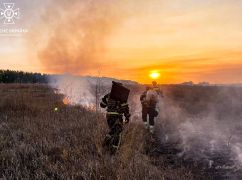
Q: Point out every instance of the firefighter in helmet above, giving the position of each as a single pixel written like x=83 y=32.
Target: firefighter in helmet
x=144 y=104
x=149 y=100
x=116 y=109
x=156 y=88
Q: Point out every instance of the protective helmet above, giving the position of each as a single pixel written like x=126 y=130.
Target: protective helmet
x=154 y=83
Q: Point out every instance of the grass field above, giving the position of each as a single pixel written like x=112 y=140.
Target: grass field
x=37 y=142
x=41 y=138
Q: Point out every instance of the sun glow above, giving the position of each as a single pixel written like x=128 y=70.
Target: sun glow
x=154 y=75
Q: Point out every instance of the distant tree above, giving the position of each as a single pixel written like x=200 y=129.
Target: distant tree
x=203 y=83
x=8 y=76
x=189 y=83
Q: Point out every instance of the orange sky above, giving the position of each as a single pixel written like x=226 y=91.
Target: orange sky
x=182 y=39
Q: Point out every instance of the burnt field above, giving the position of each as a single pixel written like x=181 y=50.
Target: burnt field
x=201 y=126
x=197 y=136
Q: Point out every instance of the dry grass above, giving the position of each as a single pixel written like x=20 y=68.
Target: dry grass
x=38 y=143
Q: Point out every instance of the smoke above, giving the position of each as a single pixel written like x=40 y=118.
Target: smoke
x=86 y=91
x=77 y=90
x=205 y=123
x=72 y=36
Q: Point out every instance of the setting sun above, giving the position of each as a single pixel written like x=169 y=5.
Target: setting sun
x=154 y=75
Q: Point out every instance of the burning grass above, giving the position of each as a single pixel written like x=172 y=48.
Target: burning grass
x=38 y=142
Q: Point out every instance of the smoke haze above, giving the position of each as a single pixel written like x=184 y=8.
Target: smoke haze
x=76 y=34
x=205 y=123
x=77 y=90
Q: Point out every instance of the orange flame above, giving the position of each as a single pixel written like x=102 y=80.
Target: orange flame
x=66 y=101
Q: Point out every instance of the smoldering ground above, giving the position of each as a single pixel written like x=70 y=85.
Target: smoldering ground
x=76 y=89
x=204 y=123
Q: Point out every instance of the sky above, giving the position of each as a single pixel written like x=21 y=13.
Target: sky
x=183 y=40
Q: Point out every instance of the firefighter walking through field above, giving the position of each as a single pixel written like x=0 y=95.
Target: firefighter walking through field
x=156 y=88
x=149 y=100
x=116 y=105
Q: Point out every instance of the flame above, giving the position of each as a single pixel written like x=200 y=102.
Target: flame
x=66 y=101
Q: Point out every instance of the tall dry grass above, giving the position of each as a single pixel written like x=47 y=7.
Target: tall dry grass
x=37 y=142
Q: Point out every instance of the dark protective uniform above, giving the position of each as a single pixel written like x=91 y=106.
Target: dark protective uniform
x=144 y=106
x=149 y=106
x=115 y=112
x=148 y=109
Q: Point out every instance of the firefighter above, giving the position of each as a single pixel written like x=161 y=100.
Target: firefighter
x=149 y=100
x=144 y=104
x=156 y=88
x=152 y=100
x=116 y=109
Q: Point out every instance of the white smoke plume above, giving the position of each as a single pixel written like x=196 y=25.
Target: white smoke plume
x=86 y=91
x=73 y=37
x=207 y=126
x=76 y=89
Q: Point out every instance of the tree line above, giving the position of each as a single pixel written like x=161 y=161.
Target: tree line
x=9 y=76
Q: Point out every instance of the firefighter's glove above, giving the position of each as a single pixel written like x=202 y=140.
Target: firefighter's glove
x=126 y=121
x=127 y=118
x=156 y=113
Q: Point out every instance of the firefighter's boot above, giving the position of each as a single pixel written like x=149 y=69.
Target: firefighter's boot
x=152 y=129
x=107 y=140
